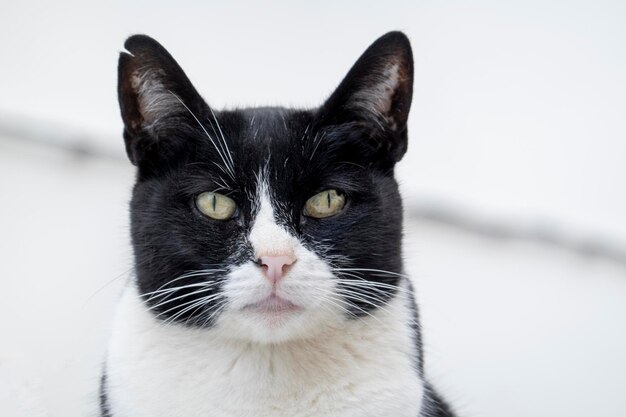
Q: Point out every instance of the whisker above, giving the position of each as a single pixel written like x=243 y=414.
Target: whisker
x=191 y=274
x=359 y=297
x=167 y=301
x=370 y=270
x=361 y=282
x=164 y=292
x=194 y=303
x=193 y=308
x=221 y=305
x=351 y=295
x=317 y=138
x=231 y=173
x=195 y=318
x=351 y=305
x=323 y=295
x=223 y=139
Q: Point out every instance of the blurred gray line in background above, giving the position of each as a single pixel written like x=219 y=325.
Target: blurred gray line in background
x=85 y=145
x=544 y=232
x=79 y=143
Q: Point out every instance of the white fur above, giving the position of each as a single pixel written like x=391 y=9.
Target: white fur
x=307 y=284
x=315 y=362
x=155 y=100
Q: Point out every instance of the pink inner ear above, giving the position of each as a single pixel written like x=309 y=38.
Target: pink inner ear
x=275 y=266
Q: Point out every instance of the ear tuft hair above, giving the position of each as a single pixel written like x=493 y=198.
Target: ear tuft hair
x=152 y=89
x=378 y=89
x=380 y=83
x=151 y=84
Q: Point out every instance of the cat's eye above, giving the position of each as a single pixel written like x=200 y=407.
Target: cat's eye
x=324 y=204
x=216 y=206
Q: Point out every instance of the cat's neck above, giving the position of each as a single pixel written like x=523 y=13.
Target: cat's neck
x=368 y=357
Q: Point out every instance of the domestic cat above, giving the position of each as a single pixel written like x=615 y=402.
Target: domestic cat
x=268 y=263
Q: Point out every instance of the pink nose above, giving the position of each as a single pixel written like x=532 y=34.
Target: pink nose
x=275 y=267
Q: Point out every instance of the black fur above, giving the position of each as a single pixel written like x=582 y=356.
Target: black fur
x=302 y=152
x=351 y=143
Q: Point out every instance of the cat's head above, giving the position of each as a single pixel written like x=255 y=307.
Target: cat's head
x=268 y=223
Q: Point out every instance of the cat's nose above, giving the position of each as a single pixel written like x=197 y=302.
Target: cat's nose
x=276 y=266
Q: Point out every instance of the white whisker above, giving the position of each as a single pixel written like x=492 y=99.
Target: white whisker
x=167 y=301
x=370 y=270
x=190 y=274
x=228 y=153
x=165 y=291
x=230 y=170
x=194 y=303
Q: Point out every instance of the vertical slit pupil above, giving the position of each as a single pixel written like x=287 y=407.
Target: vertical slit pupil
x=214 y=201
x=328 y=198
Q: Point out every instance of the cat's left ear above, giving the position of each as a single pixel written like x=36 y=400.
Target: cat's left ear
x=378 y=89
x=153 y=93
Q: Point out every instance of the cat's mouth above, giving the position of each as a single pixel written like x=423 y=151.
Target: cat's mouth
x=273 y=304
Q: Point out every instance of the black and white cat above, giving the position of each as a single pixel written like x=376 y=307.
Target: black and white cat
x=267 y=241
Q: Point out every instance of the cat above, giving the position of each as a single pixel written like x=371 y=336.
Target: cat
x=268 y=263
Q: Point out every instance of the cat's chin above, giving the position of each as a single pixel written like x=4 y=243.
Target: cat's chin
x=274 y=314
x=273 y=307
x=271 y=321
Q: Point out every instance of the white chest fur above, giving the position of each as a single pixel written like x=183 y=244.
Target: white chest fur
x=364 y=369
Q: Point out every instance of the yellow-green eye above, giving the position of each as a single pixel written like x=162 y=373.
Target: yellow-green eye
x=216 y=206
x=324 y=204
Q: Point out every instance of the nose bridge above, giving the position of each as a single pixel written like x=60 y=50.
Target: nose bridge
x=271 y=240
x=267 y=237
x=274 y=247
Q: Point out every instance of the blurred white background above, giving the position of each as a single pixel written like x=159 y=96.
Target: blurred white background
x=514 y=182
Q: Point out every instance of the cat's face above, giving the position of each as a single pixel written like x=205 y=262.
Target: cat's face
x=267 y=224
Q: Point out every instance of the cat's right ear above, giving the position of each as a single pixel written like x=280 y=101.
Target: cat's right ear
x=153 y=91
x=377 y=91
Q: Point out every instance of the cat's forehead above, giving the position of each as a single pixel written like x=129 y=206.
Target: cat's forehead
x=269 y=125
x=266 y=137
x=245 y=149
